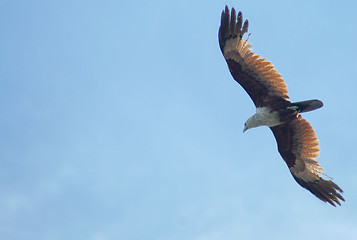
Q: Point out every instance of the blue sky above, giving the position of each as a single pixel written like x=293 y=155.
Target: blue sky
x=120 y=120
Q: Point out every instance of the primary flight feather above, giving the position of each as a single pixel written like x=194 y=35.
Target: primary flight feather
x=296 y=139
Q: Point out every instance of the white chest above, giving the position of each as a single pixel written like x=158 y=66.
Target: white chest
x=264 y=116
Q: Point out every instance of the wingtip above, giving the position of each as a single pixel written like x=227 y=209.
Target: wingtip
x=226 y=9
x=231 y=25
x=325 y=190
x=245 y=26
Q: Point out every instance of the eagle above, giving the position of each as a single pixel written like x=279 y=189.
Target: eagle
x=296 y=139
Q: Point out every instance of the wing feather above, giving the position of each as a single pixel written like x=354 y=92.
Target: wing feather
x=298 y=145
x=256 y=75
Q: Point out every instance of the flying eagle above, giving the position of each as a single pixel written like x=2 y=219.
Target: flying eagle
x=296 y=139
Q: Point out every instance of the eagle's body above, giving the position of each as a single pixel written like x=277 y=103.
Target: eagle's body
x=264 y=116
x=296 y=139
x=271 y=117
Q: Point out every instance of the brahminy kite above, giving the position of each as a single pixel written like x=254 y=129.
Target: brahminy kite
x=296 y=139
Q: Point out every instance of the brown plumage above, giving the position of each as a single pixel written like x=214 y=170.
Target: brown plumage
x=298 y=145
x=296 y=139
x=256 y=75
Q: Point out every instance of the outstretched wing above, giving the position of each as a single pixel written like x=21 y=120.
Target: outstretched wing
x=299 y=147
x=256 y=75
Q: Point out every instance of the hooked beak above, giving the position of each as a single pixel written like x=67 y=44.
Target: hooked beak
x=245 y=129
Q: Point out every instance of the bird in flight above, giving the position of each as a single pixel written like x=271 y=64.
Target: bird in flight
x=296 y=139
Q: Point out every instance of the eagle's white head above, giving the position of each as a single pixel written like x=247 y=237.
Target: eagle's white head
x=252 y=122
